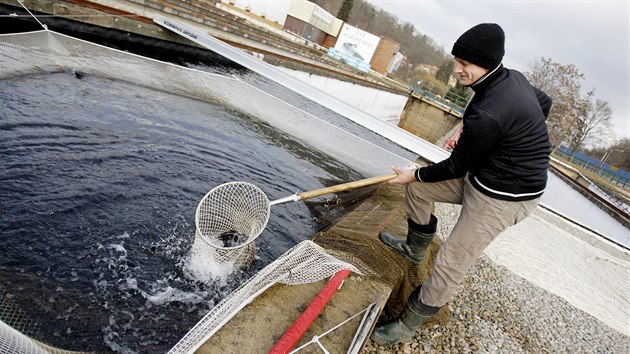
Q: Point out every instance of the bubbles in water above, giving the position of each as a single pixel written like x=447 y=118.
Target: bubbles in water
x=203 y=267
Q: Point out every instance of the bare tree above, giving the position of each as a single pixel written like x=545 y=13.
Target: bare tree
x=622 y=157
x=595 y=126
x=563 y=84
x=616 y=154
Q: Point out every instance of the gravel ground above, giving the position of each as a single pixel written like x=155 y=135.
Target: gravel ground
x=496 y=311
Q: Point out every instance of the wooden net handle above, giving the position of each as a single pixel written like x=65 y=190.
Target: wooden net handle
x=346 y=186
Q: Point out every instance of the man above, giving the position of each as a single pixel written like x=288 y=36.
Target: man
x=497 y=172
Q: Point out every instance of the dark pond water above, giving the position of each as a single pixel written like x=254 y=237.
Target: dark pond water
x=99 y=181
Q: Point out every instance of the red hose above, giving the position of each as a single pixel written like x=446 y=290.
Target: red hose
x=298 y=328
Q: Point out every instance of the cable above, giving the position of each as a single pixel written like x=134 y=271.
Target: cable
x=30 y=13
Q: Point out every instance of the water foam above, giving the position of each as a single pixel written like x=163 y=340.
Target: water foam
x=204 y=268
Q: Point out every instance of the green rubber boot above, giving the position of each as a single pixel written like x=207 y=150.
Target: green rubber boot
x=418 y=239
x=402 y=329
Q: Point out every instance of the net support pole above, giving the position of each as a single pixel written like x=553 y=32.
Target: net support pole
x=298 y=328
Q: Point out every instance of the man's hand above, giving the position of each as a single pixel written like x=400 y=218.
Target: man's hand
x=405 y=175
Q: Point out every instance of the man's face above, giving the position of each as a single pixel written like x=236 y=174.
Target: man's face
x=467 y=73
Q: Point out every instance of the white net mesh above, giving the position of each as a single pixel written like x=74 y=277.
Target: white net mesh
x=232 y=215
x=203 y=254
x=228 y=219
x=304 y=263
x=14 y=341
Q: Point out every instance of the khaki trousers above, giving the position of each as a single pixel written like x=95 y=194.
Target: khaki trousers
x=481 y=220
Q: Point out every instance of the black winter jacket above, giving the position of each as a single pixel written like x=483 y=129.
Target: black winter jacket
x=504 y=146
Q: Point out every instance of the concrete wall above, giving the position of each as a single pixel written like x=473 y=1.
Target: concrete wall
x=427 y=119
x=385 y=105
x=316 y=16
x=304 y=29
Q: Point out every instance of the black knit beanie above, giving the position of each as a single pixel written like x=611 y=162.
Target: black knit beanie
x=482 y=45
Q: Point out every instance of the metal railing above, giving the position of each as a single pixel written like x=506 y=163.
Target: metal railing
x=441 y=95
x=612 y=174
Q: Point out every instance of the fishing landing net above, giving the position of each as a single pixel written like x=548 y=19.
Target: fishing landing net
x=228 y=220
x=231 y=216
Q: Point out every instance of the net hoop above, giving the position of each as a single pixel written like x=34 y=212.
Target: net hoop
x=232 y=207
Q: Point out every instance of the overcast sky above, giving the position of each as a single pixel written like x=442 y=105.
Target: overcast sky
x=592 y=35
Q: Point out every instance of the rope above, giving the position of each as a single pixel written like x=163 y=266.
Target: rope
x=299 y=327
x=30 y=13
x=316 y=338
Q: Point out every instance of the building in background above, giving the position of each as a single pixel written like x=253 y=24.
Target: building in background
x=307 y=20
x=426 y=69
x=311 y=22
x=274 y=11
x=385 y=55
